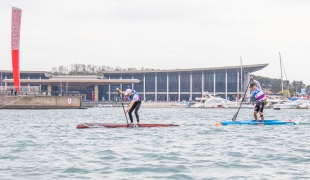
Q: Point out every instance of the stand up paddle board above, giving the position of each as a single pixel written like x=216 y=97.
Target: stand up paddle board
x=116 y=125
x=259 y=122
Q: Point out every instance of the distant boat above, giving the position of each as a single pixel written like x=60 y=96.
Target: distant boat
x=209 y=101
x=286 y=104
x=244 y=105
x=304 y=104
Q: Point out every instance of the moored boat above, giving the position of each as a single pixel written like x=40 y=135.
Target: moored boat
x=209 y=101
x=286 y=104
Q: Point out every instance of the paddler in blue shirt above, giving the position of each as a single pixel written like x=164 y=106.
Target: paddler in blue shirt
x=134 y=104
x=259 y=96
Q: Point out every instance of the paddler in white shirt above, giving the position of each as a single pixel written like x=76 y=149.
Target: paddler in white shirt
x=135 y=103
x=260 y=98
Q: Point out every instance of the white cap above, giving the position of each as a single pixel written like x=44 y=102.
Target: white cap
x=128 y=91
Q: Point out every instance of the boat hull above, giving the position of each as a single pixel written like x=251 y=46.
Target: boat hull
x=285 y=105
x=118 y=125
x=259 y=122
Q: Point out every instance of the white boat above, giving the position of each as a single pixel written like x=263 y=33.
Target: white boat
x=272 y=100
x=304 y=104
x=286 y=104
x=209 y=101
x=245 y=105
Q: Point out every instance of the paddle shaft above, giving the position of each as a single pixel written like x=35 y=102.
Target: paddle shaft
x=120 y=96
x=236 y=114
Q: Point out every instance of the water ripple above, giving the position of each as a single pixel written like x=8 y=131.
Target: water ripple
x=44 y=144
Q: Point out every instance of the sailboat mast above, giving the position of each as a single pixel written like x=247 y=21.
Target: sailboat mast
x=281 y=72
x=241 y=75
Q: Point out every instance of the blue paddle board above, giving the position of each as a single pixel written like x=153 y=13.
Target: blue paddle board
x=259 y=122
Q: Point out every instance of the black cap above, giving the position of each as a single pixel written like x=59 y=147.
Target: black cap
x=252 y=84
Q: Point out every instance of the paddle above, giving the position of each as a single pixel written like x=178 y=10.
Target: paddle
x=120 y=96
x=236 y=114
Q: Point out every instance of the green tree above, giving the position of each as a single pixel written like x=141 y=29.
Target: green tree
x=296 y=86
x=272 y=84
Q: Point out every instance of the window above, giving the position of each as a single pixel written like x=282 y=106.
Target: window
x=220 y=79
x=162 y=82
x=185 y=81
x=232 y=82
x=196 y=82
x=138 y=86
x=126 y=86
x=173 y=82
x=208 y=81
x=149 y=97
x=162 y=97
x=150 y=82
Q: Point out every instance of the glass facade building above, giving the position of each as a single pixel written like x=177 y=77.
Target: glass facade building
x=164 y=85
x=187 y=84
x=4 y=74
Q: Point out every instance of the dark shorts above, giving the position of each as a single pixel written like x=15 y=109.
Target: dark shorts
x=259 y=106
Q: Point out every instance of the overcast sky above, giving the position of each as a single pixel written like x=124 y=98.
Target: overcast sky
x=161 y=34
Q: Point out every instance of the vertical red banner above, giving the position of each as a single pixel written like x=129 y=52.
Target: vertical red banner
x=16 y=22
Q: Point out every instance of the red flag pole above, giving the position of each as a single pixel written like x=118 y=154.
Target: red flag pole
x=16 y=23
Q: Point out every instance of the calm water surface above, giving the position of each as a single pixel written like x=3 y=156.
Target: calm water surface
x=45 y=144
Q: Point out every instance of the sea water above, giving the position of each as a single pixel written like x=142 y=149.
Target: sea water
x=45 y=144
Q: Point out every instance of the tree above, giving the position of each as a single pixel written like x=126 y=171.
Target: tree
x=275 y=85
x=109 y=68
x=132 y=69
x=54 y=70
x=117 y=68
x=62 y=69
x=272 y=84
x=297 y=86
x=285 y=93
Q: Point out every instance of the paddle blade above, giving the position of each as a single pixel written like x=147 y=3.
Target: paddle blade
x=235 y=116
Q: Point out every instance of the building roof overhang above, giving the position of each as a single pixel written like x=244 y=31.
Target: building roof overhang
x=74 y=82
x=246 y=68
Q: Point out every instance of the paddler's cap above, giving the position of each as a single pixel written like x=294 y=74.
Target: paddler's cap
x=252 y=84
x=128 y=91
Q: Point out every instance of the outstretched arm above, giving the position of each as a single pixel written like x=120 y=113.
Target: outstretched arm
x=247 y=97
x=257 y=84
x=130 y=106
x=119 y=91
x=250 y=95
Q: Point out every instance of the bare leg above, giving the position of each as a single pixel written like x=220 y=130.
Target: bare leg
x=255 y=115
x=262 y=116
